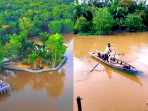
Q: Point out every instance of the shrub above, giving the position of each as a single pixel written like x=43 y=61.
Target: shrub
x=67 y=25
x=25 y=62
x=134 y=23
x=118 y=24
x=81 y=25
x=55 y=27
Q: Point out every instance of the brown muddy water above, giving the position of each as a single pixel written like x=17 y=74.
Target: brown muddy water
x=107 y=89
x=48 y=91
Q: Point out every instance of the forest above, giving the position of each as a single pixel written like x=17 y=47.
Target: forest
x=21 y=19
x=34 y=17
x=93 y=17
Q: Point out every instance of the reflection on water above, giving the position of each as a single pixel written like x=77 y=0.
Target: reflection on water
x=108 y=89
x=109 y=70
x=3 y=98
x=7 y=74
x=52 y=83
x=128 y=76
x=47 y=91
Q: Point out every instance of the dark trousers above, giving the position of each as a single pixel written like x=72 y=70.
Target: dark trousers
x=106 y=57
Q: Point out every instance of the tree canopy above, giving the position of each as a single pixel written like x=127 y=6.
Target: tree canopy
x=32 y=16
x=110 y=16
x=103 y=21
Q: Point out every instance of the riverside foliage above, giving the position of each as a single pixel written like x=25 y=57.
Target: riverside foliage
x=107 y=17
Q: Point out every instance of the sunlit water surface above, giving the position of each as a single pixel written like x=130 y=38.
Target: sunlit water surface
x=107 y=89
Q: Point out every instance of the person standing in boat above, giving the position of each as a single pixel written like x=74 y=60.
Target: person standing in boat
x=107 y=52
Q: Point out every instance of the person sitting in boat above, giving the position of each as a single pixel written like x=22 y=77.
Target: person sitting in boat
x=107 y=52
x=98 y=53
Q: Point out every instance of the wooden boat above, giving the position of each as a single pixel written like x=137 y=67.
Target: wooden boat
x=117 y=64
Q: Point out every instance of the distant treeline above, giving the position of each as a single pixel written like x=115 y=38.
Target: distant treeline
x=110 y=16
x=35 y=16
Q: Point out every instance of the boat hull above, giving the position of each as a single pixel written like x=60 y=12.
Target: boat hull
x=123 y=70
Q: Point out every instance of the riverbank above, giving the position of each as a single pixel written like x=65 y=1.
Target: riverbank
x=27 y=68
x=113 y=33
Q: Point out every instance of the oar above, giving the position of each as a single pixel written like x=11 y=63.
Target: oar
x=94 y=67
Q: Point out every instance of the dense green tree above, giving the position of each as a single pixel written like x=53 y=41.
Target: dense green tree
x=56 y=46
x=13 y=46
x=119 y=10
x=33 y=57
x=2 y=20
x=27 y=26
x=63 y=12
x=44 y=37
x=80 y=10
x=29 y=13
x=32 y=16
x=81 y=25
x=103 y=21
x=129 y=5
x=145 y=17
x=67 y=25
x=55 y=27
x=134 y=23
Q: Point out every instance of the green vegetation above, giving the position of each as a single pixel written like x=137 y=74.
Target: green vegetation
x=107 y=17
x=102 y=21
x=21 y=19
x=67 y=25
x=34 y=16
x=49 y=53
x=134 y=23
x=55 y=27
x=55 y=45
x=81 y=25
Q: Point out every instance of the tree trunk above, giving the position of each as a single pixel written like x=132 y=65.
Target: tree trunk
x=54 y=60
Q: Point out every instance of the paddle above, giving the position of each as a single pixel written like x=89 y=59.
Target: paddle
x=94 y=67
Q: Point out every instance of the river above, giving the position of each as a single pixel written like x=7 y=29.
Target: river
x=48 y=91
x=105 y=88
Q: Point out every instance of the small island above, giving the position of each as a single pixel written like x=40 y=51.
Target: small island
x=43 y=20
x=22 y=54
